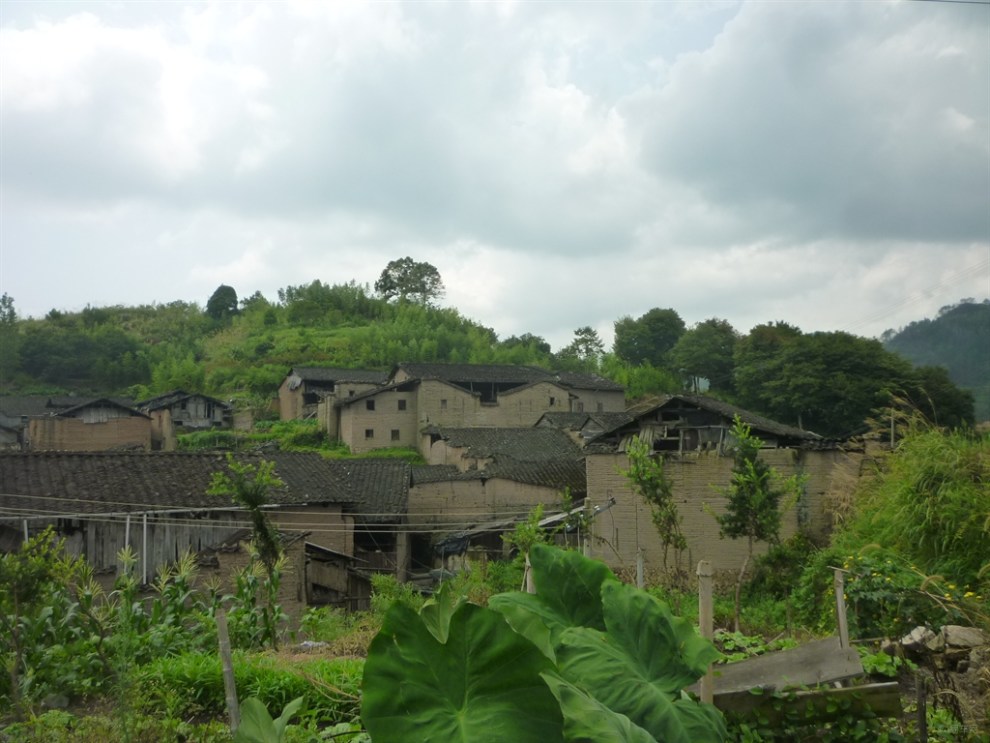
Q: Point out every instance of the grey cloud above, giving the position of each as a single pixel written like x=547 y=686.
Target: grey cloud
x=824 y=120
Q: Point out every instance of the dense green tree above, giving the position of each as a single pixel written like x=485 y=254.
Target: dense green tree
x=9 y=339
x=222 y=304
x=416 y=281
x=706 y=352
x=584 y=353
x=648 y=339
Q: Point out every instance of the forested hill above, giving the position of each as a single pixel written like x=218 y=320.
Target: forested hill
x=242 y=348
x=957 y=339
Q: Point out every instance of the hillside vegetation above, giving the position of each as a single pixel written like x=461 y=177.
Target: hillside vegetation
x=829 y=383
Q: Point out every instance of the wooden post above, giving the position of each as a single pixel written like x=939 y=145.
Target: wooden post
x=921 y=689
x=144 y=550
x=705 y=623
x=639 y=568
x=528 y=577
x=840 y=606
x=229 y=684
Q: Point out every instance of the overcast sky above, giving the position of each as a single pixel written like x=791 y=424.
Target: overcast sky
x=823 y=163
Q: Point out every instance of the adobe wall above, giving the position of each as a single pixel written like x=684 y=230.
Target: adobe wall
x=327 y=525
x=597 y=401
x=387 y=424
x=442 y=404
x=73 y=434
x=460 y=503
x=697 y=478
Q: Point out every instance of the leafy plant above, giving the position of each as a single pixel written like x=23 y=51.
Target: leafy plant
x=647 y=477
x=585 y=658
x=257 y=725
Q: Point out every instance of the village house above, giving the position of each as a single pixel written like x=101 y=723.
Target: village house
x=181 y=410
x=17 y=410
x=157 y=503
x=692 y=434
x=93 y=425
x=482 y=477
x=304 y=387
x=419 y=396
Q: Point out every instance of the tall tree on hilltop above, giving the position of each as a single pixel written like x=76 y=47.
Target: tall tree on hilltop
x=416 y=281
x=222 y=304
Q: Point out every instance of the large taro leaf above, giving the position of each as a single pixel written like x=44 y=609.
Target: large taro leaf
x=568 y=594
x=438 y=610
x=586 y=720
x=482 y=685
x=570 y=584
x=640 y=665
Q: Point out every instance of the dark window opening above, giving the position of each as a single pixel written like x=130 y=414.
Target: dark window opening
x=369 y=404
x=369 y=433
x=402 y=404
x=553 y=401
x=395 y=434
x=443 y=404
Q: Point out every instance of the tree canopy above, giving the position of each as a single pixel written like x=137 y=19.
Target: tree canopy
x=648 y=339
x=705 y=352
x=222 y=304
x=416 y=281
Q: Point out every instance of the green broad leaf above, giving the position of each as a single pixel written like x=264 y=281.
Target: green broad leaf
x=256 y=725
x=570 y=584
x=437 y=611
x=288 y=712
x=640 y=665
x=668 y=647
x=586 y=720
x=482 y=685
x=625 y=684
x=531 y=617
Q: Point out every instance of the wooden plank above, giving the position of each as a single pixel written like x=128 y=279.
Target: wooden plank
x=811 y=664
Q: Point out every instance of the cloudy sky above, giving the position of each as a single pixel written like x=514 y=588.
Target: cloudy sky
x=824 y=163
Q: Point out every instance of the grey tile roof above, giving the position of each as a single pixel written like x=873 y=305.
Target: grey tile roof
x=551 y=474
x=505 y=373
x=113 y=482
x=521 y=444
x=582 y=381
x=171 y=398
x=726 y=410
x=102 y=402
x=14 y=406
x=333 y=374
x=380 y=487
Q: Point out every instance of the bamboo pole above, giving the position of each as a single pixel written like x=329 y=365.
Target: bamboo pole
x=229 y=683
x=706 y=624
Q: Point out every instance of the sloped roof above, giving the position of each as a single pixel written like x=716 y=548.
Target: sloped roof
x=36 y=483
x=550 y=474
x=15 y=406
x=504 y=373
x=585 y=421
x=379 y=487
x=724 y=409
x=334 y=374
x=521 y=444
x=585 y=381
x=169 y=399
x=102 y=402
